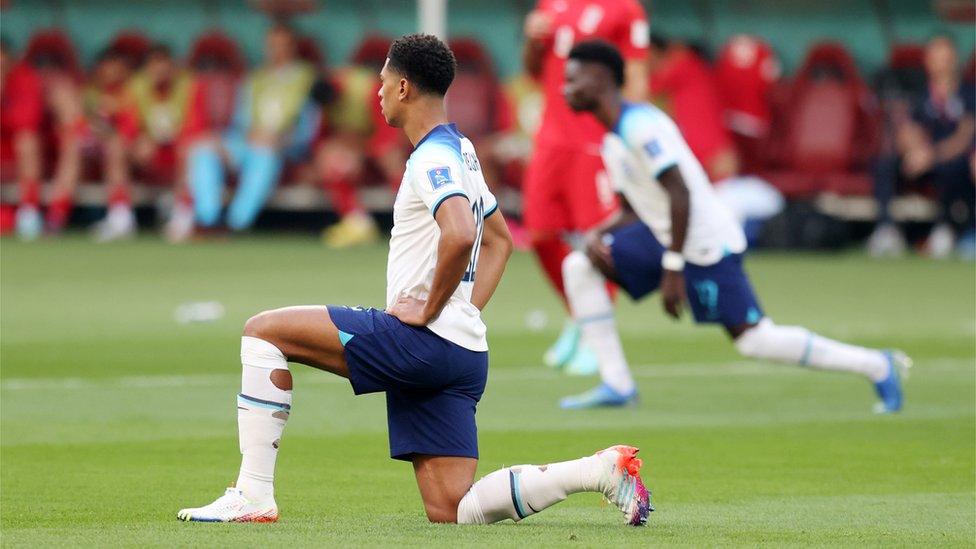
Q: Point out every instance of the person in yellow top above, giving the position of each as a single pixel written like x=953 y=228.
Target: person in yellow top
x=274 y=118
x=158 y=99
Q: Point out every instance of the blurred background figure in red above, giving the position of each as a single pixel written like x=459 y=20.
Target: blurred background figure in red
x=566 y=190
x=21 y=115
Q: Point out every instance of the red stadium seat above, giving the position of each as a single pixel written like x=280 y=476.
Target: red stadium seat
x=970 y=73
x=133 y=44
x=475 y=99
x=310 y=51
x=216 y=51
x=828 y=128
x=372 y=52
x=53 y=48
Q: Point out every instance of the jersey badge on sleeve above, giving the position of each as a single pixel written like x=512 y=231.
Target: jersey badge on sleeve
x=439 y=177
x=653 y=148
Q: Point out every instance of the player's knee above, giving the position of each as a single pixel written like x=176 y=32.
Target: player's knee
x=575 y=263
x=442 y=514
x=260 y=325
x=750 y=343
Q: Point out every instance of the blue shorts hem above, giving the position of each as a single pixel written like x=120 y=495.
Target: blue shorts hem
x=407 y=453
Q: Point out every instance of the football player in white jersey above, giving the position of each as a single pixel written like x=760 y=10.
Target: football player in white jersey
x=427 y=351
x=673 y=234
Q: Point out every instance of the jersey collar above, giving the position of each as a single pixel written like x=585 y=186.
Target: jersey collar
x=449 y=128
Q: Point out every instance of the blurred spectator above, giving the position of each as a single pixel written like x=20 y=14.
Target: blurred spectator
x=274 y=119
x=21 y=114
x=745 y=73
x=159 y=98
x=103 y=131
x=358 y=143
x=934 y=145
x=683 y=82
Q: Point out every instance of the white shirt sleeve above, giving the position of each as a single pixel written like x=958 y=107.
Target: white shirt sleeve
x=647 y=135
x=491 y=203
x=436 y=177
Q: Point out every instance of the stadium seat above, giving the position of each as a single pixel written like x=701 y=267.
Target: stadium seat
x=52 y=48
x=970 y=72
x=474 y=101
x=133 y=44
x=309 y=50
x=216 y=51
x=828 y=127
x=372 y=52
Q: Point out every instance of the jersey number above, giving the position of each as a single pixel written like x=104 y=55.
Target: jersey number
x=478 y=210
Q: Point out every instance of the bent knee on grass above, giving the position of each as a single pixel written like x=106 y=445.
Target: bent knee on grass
x=304 y=334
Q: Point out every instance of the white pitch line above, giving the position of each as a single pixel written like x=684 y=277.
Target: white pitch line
x=504 y=375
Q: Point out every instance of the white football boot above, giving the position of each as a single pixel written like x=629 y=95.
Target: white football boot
x=622 y=486
x=119 y=224
x=232 y=507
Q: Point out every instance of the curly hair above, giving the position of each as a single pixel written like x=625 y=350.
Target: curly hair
x=425 y=61
x=601 y=53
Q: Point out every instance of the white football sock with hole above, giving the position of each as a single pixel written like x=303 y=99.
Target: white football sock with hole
x=592 y=309
x=262 y=411
x=797 y=345
x=522 y=490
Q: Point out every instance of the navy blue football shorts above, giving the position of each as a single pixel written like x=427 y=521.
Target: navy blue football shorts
x=432 y=385
x=718 y=293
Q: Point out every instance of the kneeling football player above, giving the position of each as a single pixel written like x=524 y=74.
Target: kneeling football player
x=428 y=350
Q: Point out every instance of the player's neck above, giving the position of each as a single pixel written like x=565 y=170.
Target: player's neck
x=426 y=116
x=608 y=111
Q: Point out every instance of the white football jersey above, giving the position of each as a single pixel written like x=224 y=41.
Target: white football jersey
x=642 y=146
x=442 y=165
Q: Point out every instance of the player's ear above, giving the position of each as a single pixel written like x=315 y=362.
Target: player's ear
x=403 y=90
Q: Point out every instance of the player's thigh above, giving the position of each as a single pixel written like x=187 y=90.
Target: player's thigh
x=443 y=481
x=636 y=257
x=304 y=334
x=589 y=194
x=544 y=209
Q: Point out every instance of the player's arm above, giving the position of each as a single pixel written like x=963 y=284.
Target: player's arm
x=672 y=282
x=458 y=233
x=635 y=80
x=632 y=39
x=959 y=142
x=496 y=248
x=538 y=27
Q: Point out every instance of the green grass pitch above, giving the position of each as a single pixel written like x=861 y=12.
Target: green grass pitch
x=114 y=416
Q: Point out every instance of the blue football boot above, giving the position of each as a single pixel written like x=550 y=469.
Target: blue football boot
x=602 y=396
x=889 y=389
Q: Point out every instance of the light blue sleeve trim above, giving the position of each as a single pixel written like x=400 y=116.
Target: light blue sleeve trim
x=442 y=198
x=664 y=169
x=490 y=211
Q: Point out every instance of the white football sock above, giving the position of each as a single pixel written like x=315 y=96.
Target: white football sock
x=262 y=411
x=523 y=490
x=797 y=345
x=589 y=301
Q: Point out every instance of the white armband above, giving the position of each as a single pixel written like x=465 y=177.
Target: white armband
x=673 y=261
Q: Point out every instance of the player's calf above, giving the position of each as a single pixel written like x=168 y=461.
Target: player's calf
x=519 y=491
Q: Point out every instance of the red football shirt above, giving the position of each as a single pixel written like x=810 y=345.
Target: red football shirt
x=22 y=100
x=21 y=106
x=686 y=83
x=620 y=22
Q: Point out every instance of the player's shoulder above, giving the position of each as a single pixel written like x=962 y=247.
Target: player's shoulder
x=442 y=145
x=639 y=120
